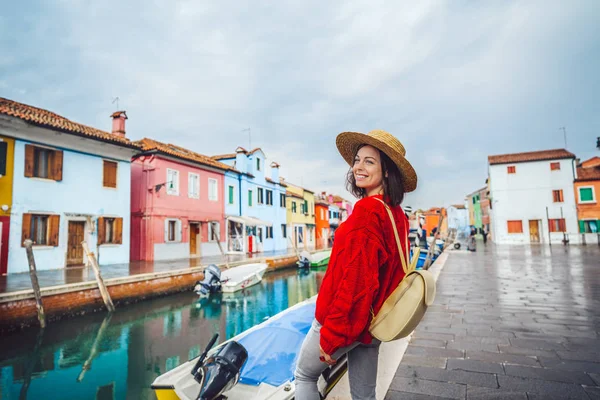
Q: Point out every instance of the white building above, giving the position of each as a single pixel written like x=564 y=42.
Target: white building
x=458 y=217
x=532 y=197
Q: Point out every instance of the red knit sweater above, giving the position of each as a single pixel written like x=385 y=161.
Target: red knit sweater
x=363 y=270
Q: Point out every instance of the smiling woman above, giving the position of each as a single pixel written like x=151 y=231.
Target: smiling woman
x=362 y=270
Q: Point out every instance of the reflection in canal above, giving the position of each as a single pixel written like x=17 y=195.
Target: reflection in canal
x=117 y=357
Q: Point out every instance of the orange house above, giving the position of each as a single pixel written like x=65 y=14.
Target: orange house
x=432 y=218
x=587 y=190
x=322 y=222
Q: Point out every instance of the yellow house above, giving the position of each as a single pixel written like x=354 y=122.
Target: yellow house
x=7 y=151
x=300 y=204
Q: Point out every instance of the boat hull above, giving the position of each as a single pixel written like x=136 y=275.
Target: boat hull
x=248 y=275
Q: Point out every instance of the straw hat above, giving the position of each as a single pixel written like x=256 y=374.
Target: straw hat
x=348 y=143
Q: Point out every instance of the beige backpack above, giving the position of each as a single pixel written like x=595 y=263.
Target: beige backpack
x=404 y=308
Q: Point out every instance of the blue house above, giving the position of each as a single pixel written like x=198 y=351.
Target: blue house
x=71 y=183
x=256 y=207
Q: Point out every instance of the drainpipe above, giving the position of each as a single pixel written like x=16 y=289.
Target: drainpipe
x=240 y=191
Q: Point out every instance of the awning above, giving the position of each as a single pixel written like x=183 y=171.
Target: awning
x=250 y=221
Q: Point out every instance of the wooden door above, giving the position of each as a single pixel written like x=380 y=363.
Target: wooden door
x=194 y=230
x=75 y=250
x=534 y=233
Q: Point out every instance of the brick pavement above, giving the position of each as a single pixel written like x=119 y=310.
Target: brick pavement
x=509 y=322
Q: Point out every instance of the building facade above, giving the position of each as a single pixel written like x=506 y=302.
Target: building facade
x=533 y=199
x=71 y=183
x=300 y=216
x=7 y=153
x=261 y=223
x=177 y=204
x=322 y=222
x=587 y=190
x=458 y=217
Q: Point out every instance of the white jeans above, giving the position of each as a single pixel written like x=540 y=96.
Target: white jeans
x=362 y=367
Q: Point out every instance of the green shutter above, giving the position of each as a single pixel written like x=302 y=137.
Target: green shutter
x=586 y=194
x=250 y=198
x=581 y=227
x=230 y=194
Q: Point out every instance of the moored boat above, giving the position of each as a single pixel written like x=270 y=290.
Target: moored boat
x=268 y=373
x=241 y=277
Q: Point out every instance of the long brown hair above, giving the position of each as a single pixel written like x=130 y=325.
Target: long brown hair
x=393 y=186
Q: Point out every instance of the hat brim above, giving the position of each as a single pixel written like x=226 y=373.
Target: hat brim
x=348 y=143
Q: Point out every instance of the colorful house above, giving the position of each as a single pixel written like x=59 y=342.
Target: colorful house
x=533 y=197
x=71 y=183
x=334 y=218
x=301 y=216
x=322 y=221
x=474 y=204
x=7 y=153
x=345 y=207
x=259 y=224
x=587 y=190
x=458 y=217
x=177 y=205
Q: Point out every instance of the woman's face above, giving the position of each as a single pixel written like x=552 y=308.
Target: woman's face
x=367 y=170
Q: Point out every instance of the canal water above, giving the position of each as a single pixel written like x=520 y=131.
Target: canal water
x=102 y=357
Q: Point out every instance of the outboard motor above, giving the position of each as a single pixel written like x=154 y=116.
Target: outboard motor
x=304 y=260
x=221 y=371
x=211 y=282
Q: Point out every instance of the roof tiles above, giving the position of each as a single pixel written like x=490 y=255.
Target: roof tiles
x=543 y=155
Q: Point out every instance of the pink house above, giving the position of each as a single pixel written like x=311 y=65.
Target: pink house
x=344 y=205
x=176 y=202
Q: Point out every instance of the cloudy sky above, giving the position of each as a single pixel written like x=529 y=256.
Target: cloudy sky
x=455 y=81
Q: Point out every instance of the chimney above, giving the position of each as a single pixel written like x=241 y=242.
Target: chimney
x=331 y=198
x=118 y=125
x=275 y=171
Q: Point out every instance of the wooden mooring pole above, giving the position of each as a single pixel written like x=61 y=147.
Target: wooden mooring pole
x=103 y=291
x=34 y=282
x=217 y=237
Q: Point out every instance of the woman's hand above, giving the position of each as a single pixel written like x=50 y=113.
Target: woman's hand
x=326 y=358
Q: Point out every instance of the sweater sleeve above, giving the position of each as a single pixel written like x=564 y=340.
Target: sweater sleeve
x=350 y=312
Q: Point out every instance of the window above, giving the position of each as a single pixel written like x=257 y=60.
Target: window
x=269 y=232
x=214 y=231
x=110 y=230
x=305 y=207
x=515 y=226
x=284 y=230
x=557 y=196
x=249 y=198
x=511 y=169
x=557 y=225
x=586 y=194
x=269 y=197
x=172 y=230
x=322 y=213
x=260 y=199
x=193 y=185
x=589 y=226
x=555 y=166
x=213 y=190
x=3 y=157
x=294 y=206
x=109 y=174
x=172 y=182
x=231 y=192
x=41 y=162
x=282 y=201
x=41 y=229
x=301 y=208
x=258 y=164
x=330 y=214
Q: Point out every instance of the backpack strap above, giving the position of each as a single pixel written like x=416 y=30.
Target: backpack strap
x=405 y=267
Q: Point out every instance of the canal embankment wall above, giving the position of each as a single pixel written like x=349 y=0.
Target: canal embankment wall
x=18 y=309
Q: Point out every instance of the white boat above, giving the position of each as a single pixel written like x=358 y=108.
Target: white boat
x=241 y=277
x=268 y=373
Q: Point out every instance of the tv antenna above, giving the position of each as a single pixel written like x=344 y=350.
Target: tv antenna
x=116 y=99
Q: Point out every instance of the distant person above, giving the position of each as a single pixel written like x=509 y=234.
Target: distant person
x=471 y=243
x=485 y=234
x=364 y=267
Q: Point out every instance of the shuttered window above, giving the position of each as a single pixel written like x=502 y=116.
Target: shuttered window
x=260 y=196
x=284 y=230
x=172 y=182
x=42 y=229
x=213 y=190
x=214 y=231
x=294 y=206
x=249 y=198
x=515 y=226
x=555 y=166
x=557 y=196
x=231 y=193
x=41 y=162
x=3 y=157
x=511 y=169
x=109 y=173
x=586 y=194
x=173 y=230
x=193 y=186
x=557 y=225
x=282 y=200
x=110 y=230
x=269 y=197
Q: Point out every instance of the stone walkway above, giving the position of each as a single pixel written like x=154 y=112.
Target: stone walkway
x=509 y=322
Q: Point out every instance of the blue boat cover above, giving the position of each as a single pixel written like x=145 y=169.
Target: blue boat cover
x=274 y=347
